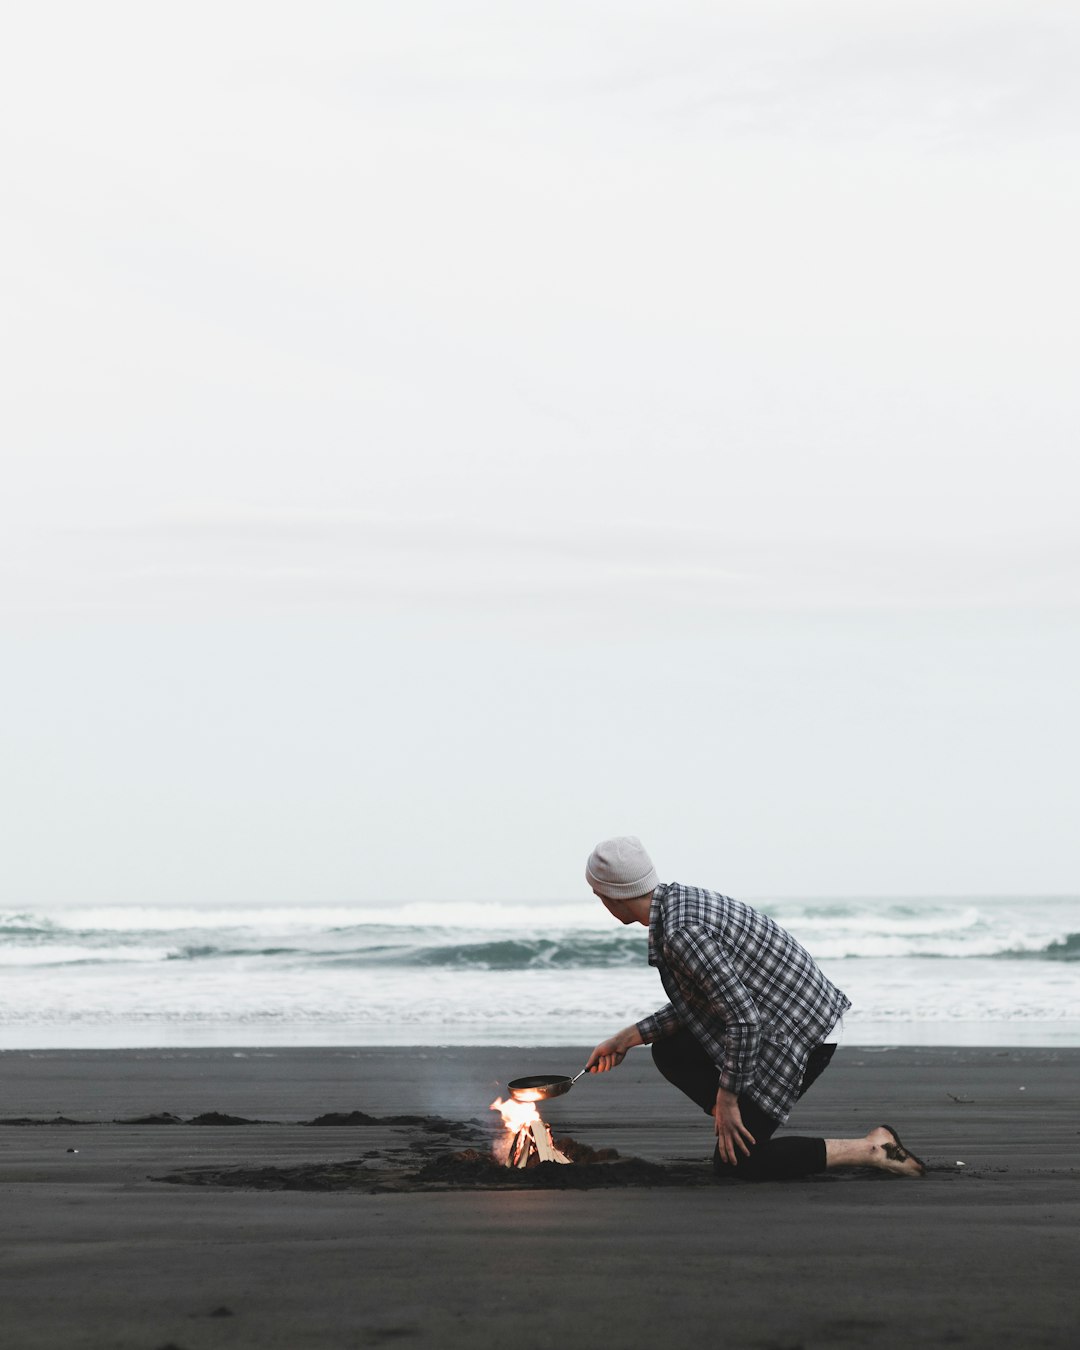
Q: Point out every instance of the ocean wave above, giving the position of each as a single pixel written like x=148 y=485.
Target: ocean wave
x=1068 y=949
x=72 y=955
x=277 y=939
x=23 y=925
x=509 y=953
x=208 y=951
x=512 y=953
x=884 y=920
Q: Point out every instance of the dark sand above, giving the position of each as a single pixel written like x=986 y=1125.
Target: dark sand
x=97 y=1255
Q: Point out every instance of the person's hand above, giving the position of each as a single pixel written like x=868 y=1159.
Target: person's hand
x=612 y=1052
x=731 y=1133
x=606 y=1056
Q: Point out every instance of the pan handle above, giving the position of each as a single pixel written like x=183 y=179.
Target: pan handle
x=576 y=1077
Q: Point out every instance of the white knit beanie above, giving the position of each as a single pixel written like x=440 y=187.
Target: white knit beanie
x=620 y=869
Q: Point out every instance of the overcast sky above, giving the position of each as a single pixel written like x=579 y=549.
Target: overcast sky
x=436 y=436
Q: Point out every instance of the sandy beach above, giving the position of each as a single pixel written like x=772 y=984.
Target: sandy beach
x=100 y=1251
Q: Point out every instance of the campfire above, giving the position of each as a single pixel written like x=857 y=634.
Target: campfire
x=526 y=1140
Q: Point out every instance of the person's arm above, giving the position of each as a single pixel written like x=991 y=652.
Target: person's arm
x=611 y=1052
x=663 y=1022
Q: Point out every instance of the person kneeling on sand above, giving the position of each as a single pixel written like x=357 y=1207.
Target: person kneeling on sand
x=744 y=1034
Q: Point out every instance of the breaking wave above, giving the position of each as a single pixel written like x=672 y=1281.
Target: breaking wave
x=509 y=938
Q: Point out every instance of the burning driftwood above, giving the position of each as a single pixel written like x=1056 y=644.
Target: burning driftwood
x=526 y=1140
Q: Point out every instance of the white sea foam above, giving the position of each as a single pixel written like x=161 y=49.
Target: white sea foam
x=485 y=915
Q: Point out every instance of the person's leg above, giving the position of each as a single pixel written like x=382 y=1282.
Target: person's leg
x=771 y=1159
x=819 y=1060
x=685 y=1064
x=795 y=1156
x=881 y=1148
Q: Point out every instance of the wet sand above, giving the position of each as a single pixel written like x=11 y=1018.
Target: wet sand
x=96 y=1254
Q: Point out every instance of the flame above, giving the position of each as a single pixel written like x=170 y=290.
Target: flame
x=515 y=1115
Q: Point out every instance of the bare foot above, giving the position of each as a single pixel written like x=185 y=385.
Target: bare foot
x=889 y=1154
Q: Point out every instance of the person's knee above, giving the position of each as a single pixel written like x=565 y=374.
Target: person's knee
x=662 y=1056
x=752 y=1168
x=680 y=1054
x=785 y=1159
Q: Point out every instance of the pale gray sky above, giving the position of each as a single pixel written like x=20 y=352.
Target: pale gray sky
x=436 y=436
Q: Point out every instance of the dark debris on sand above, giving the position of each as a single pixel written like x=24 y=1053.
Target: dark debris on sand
x=348 y=1118
x=470 y=1169
x=471 y=1131
x=458 y=1129
x=582 y=1153
x=219 y=1118
x=159 y=1118
x=338 y=1176
x=29 y=1120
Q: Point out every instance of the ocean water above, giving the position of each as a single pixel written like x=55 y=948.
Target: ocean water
x=918 y=971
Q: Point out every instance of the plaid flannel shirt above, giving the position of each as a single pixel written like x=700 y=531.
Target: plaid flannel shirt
x=747 y=991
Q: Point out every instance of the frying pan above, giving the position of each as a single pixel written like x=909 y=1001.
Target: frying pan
x=541 y=1088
